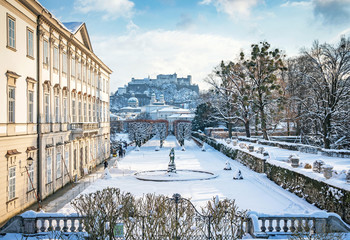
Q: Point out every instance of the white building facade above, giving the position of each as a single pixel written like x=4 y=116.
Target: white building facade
x=54 y=93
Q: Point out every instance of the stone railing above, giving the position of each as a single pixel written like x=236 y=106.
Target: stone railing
x=84 y=126
x=263 y=225
x=32 y=222
x=300 y=147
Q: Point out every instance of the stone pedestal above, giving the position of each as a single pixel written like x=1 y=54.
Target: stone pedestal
x=294 y=161
x=251 y=148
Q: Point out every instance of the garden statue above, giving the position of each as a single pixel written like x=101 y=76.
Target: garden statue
x=171 y=165
x=238 y=175
x=227 y=166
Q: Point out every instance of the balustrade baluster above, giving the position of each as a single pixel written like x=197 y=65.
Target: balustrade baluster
x=43 y=227
x=58 y=227
x=65 y=226
x=270 y=228
x=72 y=227
x=300 y=225
x=80 y=228
x=50 y=225
x=292 y=227
x=37 y=229
x=285 y=226
x=263 y=228
x=278 y=228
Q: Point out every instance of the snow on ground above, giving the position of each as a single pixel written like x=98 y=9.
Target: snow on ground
x=279 y=156
x=255 y=192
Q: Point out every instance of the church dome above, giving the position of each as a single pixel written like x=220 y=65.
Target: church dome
x=133 y=101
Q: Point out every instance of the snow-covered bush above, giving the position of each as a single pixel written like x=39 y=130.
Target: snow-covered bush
x=140 y=131
x=183 y=130
x=160 y=129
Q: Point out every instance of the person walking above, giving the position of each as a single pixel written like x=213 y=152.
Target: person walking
x=105 y=164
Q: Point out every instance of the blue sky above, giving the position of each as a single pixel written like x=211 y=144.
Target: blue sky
x=140 y=38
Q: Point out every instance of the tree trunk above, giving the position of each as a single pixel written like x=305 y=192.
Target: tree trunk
x=263 y=123
x=327 y=132
x=256 y=124
x=247 y=128
x=229 y=126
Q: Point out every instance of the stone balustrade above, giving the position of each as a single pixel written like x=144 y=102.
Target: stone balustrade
x=262 y=225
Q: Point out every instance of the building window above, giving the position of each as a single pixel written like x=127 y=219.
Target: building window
x=47 y=108
x=30 y=177
x=85 y=112
x=48 y=169
x=89 y=75
x=84 y=72
x=75 y=159
x=11 y=108
x=55 y=58
x=66 y=157
x=79 y=111
x=74 y=111
x=73 y=67
x=30 y=106
x=79 y=70
x=89 y=112
x=57 y=109
x=46 y=52
x=12 y=183
x=94 y=112
x=64 y=62
x=30 y=43
x=11 y=33
x=58 y=165
x=65 y=110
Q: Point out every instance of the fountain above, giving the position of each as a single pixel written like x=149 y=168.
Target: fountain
x=173 y=174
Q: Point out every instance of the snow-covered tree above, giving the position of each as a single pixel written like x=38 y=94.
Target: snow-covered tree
x=139 y=131
x=262 y=67
x=183 y=131
x=234 y=88
x=160 y=129
x=328 y=83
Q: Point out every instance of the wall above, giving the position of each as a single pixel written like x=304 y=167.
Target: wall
x=320 y=194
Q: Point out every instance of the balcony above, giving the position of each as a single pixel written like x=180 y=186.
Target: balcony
x=80 y=130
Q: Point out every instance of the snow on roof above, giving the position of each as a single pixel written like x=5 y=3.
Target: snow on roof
x=73 y=26
x=174 y=109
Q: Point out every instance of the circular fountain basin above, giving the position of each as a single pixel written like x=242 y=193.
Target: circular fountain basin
x=180 y=175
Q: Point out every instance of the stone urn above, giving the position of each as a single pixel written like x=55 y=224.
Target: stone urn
x=234 y=142
x=228 y=140
x=251 y=148
x=260 y=150
x=266 y=155
x=242 y=145
x=294 y=161
x=327 y=171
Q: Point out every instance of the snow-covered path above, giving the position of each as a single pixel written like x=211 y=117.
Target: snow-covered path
x=255 y=192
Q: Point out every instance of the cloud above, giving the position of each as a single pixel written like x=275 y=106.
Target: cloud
x=185 y=22
x=162 y=52
x=297 y=4
x=111 y=9
x=332 y=11
x=234 y=8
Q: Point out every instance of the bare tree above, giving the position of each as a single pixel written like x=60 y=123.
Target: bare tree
x=328 y=83
x=183 y=130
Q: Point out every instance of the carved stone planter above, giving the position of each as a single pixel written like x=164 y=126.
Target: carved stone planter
x=251 y=148
x=327 y=171
x=234 y=142
x=294 y=161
